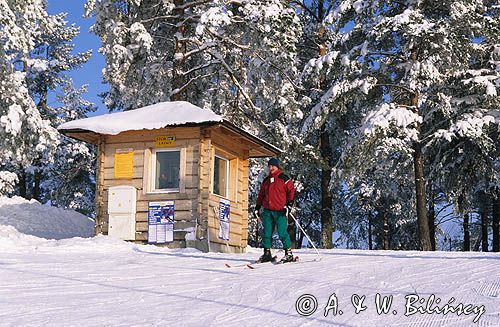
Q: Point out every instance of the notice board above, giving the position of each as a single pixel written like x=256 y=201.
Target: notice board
x=124 y=163
x=161 y=222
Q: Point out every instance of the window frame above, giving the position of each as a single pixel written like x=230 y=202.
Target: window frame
x=228 y=175
x=152 y=175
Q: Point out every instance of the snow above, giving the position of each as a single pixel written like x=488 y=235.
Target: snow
x=331 y=94
x=151 y=117
x=32 y=218
x=484 y=81
x=104 y=281
x=8 y=181
x=216 y=17
x=38 y=65
x=359 y=5
x=471 y=126
x=12 y=121
x=140 y=36
x=387 y=114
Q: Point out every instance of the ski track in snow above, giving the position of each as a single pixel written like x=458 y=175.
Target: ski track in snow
x=115 y=283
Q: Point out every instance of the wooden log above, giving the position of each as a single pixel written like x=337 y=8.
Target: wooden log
x=179 y=236
x=227 y=144
x=99 y=194
x=186 y=216
x=178 y=226
x=109 y=173
x=167 y=196
x=180 y=133
x=204 y=174
x=109 y=160
x=136 y=182
x=180 y=205
x=234 y=239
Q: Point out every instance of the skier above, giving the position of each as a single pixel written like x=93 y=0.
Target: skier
x=276 y=193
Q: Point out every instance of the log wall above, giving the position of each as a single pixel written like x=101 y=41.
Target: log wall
x=142 y=143
x=195 y=202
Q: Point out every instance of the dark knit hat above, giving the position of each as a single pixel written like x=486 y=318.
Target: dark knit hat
x=274 y=162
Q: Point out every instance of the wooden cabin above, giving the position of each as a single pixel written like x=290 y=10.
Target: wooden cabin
x=172 y=173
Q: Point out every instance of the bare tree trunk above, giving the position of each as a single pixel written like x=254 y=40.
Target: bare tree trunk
x=484 y=230
x=484 y=211
x=432 y=217
x=178 y=80
x=325 y=147
x=36 y=185
x=422 y=219
x=496 y=221
x=370 y=231
x=22 y=185
x=326 y=198
x=477 y=243
x=466 y=232
x=387 y=245
x=418 y=163
x=300 y=240
x=43 y=109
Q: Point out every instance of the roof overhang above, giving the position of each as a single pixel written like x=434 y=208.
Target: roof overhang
x=258 y=148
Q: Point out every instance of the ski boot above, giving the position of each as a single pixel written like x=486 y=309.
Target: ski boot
x=266 y=257
x=288 y=256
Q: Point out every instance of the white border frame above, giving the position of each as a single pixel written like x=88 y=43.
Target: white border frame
x=227 y=176
x=152 y=175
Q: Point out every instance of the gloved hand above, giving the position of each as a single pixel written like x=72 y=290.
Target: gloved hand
x=289 y=206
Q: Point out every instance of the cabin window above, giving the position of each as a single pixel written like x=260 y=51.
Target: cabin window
x=166 y=169
x=221 y=176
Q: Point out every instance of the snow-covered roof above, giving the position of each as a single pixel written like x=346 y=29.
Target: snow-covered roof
x=155 y=116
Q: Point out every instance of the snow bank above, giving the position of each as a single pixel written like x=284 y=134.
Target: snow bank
x=151 y=117
x=32 y=218
x=13 y=240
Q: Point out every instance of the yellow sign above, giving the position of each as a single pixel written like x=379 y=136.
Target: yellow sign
x=162 y=141
x=124 y=163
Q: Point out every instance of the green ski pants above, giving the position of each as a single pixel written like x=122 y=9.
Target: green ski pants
x=270 y=220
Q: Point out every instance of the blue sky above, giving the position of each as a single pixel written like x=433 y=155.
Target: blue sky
x=90 y=73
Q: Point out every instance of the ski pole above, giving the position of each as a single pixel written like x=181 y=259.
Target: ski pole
x=256 y=213
x=303 y=231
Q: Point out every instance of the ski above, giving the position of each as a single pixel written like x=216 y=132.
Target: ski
x=250 y=264
x=254 y=264
x=295 y=259
x=235 y=266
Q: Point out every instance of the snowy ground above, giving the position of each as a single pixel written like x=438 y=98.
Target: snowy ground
x=102 y=281
x=32 y=218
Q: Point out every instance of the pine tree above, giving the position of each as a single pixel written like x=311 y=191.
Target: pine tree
x=37 y=57
x=69 y=180
x=413 y=50
x=24 y=134
x=52 y=58
x=496 y=219
x=328 y=92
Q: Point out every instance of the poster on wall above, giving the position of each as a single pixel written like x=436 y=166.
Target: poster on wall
x=224 y=209
x=124 y=163
x=161 y=222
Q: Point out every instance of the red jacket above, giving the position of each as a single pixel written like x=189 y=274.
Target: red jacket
x=276 y=191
